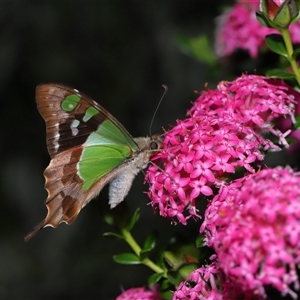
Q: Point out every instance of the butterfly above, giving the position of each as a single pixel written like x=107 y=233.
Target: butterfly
x=89 y=148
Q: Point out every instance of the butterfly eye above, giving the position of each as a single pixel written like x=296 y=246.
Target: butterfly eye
x=153 y=145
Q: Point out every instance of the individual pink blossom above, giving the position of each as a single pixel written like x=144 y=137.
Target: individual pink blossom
x=238 y=28
x=253 y=226
x=139 y=293
x=223 y=131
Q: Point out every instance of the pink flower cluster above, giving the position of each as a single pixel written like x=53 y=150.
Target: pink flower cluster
x=209 y=283
x=223 y=132
x=253 y=225
x=201 y=284
x=238 y=28
x=139 y=293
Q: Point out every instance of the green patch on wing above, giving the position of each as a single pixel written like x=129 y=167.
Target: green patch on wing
x=70 y=102
x=103 y=151
x=90 y=112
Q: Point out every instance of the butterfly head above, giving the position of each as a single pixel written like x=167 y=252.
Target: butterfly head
x=155 y=142
x=150 y=144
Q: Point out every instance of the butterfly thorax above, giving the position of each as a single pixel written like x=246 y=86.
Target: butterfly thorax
x=120 y=184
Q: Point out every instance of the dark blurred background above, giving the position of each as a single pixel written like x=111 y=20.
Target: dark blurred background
x=119 y=53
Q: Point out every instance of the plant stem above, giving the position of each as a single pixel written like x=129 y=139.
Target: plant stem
x=289 y=48
x=137 y=250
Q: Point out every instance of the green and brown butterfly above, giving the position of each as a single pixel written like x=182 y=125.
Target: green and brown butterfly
x=88 y=148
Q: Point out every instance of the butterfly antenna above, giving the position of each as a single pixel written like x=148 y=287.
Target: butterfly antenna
x=151 y=123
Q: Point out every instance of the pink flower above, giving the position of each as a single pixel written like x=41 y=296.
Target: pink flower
x=253 y=225
x=238 y=28
x=139 y=294
x=223 y=131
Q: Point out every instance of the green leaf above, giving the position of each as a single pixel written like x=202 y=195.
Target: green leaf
x=290 y=141
x=167 y=295
x=275 y=43
x=165 y=289
x=180 y=252
x=161 y=260
x=150 y=241
x=185 y=270
x=296 y=53
x=279 y=73
x=154 y=278
x=263 y=19
x=199 y=241
x=165 y=284
x=179 y=275
x=287 y=13
x=112 y=234
x=297 y=124
x=292 y=82
x=127 y=259
x=296 y=15
x=197 y=47
x=175 y=277
x=133 y=219
x=148 y=245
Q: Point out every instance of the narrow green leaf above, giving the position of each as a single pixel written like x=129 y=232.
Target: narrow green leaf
x=296 y=53
x=127 y=259
x=133 y=219
x=148 y=246
x=112 y=234
x=150 y=241
x=279 y=73
x=275 y=43
x=154 y=278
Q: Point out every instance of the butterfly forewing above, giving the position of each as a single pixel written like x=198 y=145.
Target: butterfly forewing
x=71 y=117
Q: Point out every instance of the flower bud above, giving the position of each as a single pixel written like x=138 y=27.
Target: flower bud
x=279 y=14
